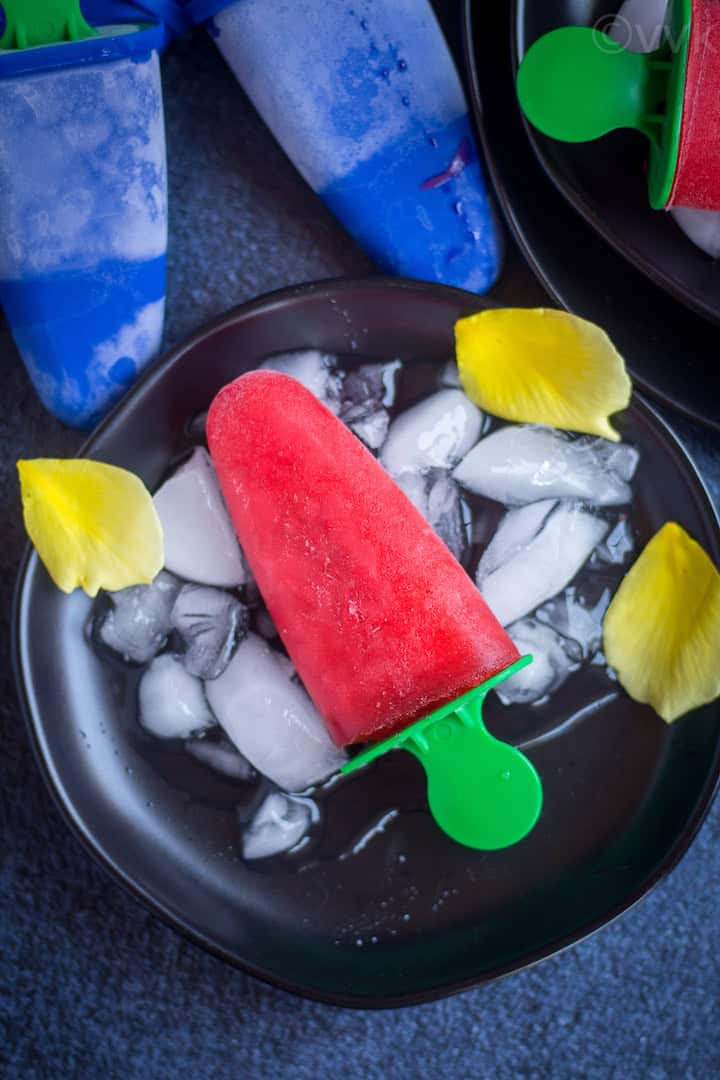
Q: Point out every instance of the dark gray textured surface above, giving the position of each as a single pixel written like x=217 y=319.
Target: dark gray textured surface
x=90 y=984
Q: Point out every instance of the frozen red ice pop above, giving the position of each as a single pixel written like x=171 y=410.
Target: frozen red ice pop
x=388 y=633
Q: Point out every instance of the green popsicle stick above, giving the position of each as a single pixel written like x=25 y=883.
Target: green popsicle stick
x=30 y=23
x=481 y=791
x=577 y=84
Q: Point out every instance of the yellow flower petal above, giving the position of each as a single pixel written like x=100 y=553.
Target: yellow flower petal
x=661 y=632
x=93 y=525
x=542 y=366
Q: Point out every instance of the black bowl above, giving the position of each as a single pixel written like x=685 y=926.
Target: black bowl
x=605 y=181
x=411 y=916
x=671 y=352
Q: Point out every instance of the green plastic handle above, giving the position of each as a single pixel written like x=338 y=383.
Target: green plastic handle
x=482 y=792
x=576 y=84
x=30 y=23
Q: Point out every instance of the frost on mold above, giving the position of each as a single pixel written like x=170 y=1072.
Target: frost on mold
x=82 y=168
x=345 y=85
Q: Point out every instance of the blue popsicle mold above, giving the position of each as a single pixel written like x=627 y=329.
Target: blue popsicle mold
x=83 y=215
x=365 y=100
x=438 y=228
x=85 y=334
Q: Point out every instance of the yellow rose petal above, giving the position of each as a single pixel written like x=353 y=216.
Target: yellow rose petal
x=93 y=525
x=542 y=366
x=661 y=632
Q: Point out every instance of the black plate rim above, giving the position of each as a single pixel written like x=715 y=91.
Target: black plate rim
x=327 y=288
x=576 y=198
x=529 y=252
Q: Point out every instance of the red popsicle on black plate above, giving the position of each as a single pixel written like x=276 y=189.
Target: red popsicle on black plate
x=388 y=633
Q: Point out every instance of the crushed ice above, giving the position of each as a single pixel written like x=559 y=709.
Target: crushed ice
x=617 y=545
x=210 y=623
x=373 y=428
x=554 y=658
x=279 y=824
x=367 y=388
x=576 y=620
x=440 y=501
x=368 y=392
x=449 y=514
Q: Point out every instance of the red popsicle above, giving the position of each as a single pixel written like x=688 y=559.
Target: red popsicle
x=697 y=172
x=382 y=623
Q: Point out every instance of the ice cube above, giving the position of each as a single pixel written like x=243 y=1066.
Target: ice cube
x=553 y=660
x=314 y=369
x=172 y=703
x=137 y=622
x=435 y=433
x=221 y=756
x=700 y=226
x=287 y=665
x=617 y=545
x=367 y=388
x=264 y=624
x=600 y=660
x=367 y=393
x=200 y=541
x=450 y=376
x=620 y=458
x=415 y=486
x=514 y=533
x=638 y=25
x=439 y=500
x=279 y=824
x=372 y=429
x=448 y=513
x=521 y=464
x=210 y=623
x=543 y=567
x=271 y=720
x=577 y=621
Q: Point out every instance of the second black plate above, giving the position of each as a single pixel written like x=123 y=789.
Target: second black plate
x=671 y=352
x=605 y=181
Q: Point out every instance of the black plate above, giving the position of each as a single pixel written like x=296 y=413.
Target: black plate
x=412 y=916
x=605 y=180
x=671 y=352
